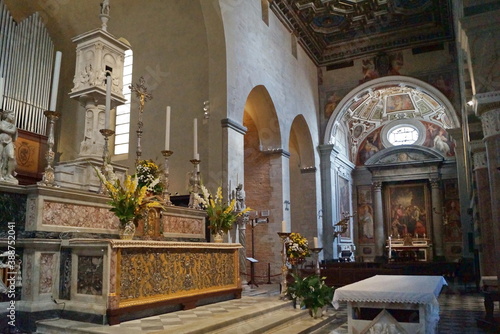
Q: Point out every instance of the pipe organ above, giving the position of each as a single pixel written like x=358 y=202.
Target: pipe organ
x=26 y=62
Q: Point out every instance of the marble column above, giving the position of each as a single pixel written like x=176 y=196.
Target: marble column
x=378 y=222
x=487 y=259
x=437 y=218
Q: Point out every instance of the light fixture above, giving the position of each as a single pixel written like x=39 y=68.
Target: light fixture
x=470 y=103
x=206 y=109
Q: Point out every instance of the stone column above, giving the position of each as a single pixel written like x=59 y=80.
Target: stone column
x=378 y=222
x=437 y=218
x=487 y=258
x=490 y=120
x=327 y=199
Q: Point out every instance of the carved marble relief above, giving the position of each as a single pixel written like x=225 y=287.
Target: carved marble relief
x=46 y=272
x=90 y=275
x=183 y=225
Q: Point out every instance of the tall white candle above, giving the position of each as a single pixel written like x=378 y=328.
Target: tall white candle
x=315 y=239
x=1 y=92
x=283 y=226
x=167 y=130
x=195 y=134
x=108 y=100
x=390 y=247
x=55 y=81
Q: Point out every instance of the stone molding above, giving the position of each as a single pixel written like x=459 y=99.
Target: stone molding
x=491 y=122
x=480 y=160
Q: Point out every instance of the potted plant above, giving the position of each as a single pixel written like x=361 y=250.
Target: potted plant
x=129 y=201
x=311 y=292
x=221 y=215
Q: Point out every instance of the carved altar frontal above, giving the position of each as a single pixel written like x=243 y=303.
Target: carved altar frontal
x=171 y=270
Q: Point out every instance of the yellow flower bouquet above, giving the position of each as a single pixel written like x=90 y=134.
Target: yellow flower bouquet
x=221 y=215
x=297 y=247
x=129 y=201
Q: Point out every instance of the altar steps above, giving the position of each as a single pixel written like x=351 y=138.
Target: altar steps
x=267 y=315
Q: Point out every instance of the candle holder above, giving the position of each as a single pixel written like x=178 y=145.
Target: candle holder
x=316 y=251
x=49 y=177
x=105 y=157
x=166 y=193
x=195 y=185
x=284 y=269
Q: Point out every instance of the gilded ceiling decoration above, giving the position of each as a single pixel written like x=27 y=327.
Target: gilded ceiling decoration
x=336 y=30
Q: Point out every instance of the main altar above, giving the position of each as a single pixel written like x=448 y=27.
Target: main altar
x=65 y=254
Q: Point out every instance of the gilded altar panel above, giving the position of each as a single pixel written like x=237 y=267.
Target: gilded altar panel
x=156 y=274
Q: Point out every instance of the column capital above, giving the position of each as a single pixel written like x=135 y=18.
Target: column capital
x=377 y=185
x=480 y=160
x=491 y=122
x=435 y=182
x=232 y=124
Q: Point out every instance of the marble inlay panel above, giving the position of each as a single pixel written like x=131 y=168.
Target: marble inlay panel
x=75 y=215
x=90 y=275
x=28 y=275
x=65 y=279
x=183 y=225
x=46 y=272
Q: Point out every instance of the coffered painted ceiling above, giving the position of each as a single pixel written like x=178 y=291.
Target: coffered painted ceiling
x=333 y=31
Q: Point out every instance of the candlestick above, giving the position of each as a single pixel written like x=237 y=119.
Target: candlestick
x=166 y=192
x=55 y=81
x=105 y=157
x=108 y=100
x=167 y=130
x=284 y=269
x=315 y=242
x=49 y=177
x=195 y=185
x=1 y=92
x=283 y=226
x=316 y=251
x=195 y=134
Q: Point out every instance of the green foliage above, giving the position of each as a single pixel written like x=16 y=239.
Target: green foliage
x=312 y=292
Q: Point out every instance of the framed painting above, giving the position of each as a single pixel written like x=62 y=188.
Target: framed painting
x=408 y=210
x=344 y=206
x=365 y=215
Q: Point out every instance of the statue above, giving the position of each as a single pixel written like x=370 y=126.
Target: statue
x=8 y=134
x=105 y=7
x=240 y=199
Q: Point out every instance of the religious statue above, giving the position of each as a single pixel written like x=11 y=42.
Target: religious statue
x=8 y=135
x=240 y=199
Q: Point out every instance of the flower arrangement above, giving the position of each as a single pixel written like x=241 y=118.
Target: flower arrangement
x=129 y=201
x=220 y=214
x=147 y=172
x=297 y=247
x=312 y=292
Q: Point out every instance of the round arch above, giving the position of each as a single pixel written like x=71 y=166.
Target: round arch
x=373 y=89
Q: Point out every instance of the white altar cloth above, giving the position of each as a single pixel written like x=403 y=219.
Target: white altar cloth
x=385 y=290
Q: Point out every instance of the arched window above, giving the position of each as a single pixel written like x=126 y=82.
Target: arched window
x=122 y=121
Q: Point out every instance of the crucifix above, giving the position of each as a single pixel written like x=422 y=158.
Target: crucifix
x=142 y=94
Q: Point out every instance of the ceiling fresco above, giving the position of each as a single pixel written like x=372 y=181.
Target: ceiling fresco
x=333 y=31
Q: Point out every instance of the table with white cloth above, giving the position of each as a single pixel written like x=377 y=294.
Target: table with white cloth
x=392 y=304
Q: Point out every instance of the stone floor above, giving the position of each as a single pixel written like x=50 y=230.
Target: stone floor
x=459 y=310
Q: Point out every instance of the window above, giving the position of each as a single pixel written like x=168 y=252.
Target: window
x=122 y=121
x=403 y=135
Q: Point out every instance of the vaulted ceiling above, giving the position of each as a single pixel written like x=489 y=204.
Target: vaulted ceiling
x=333 y=31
